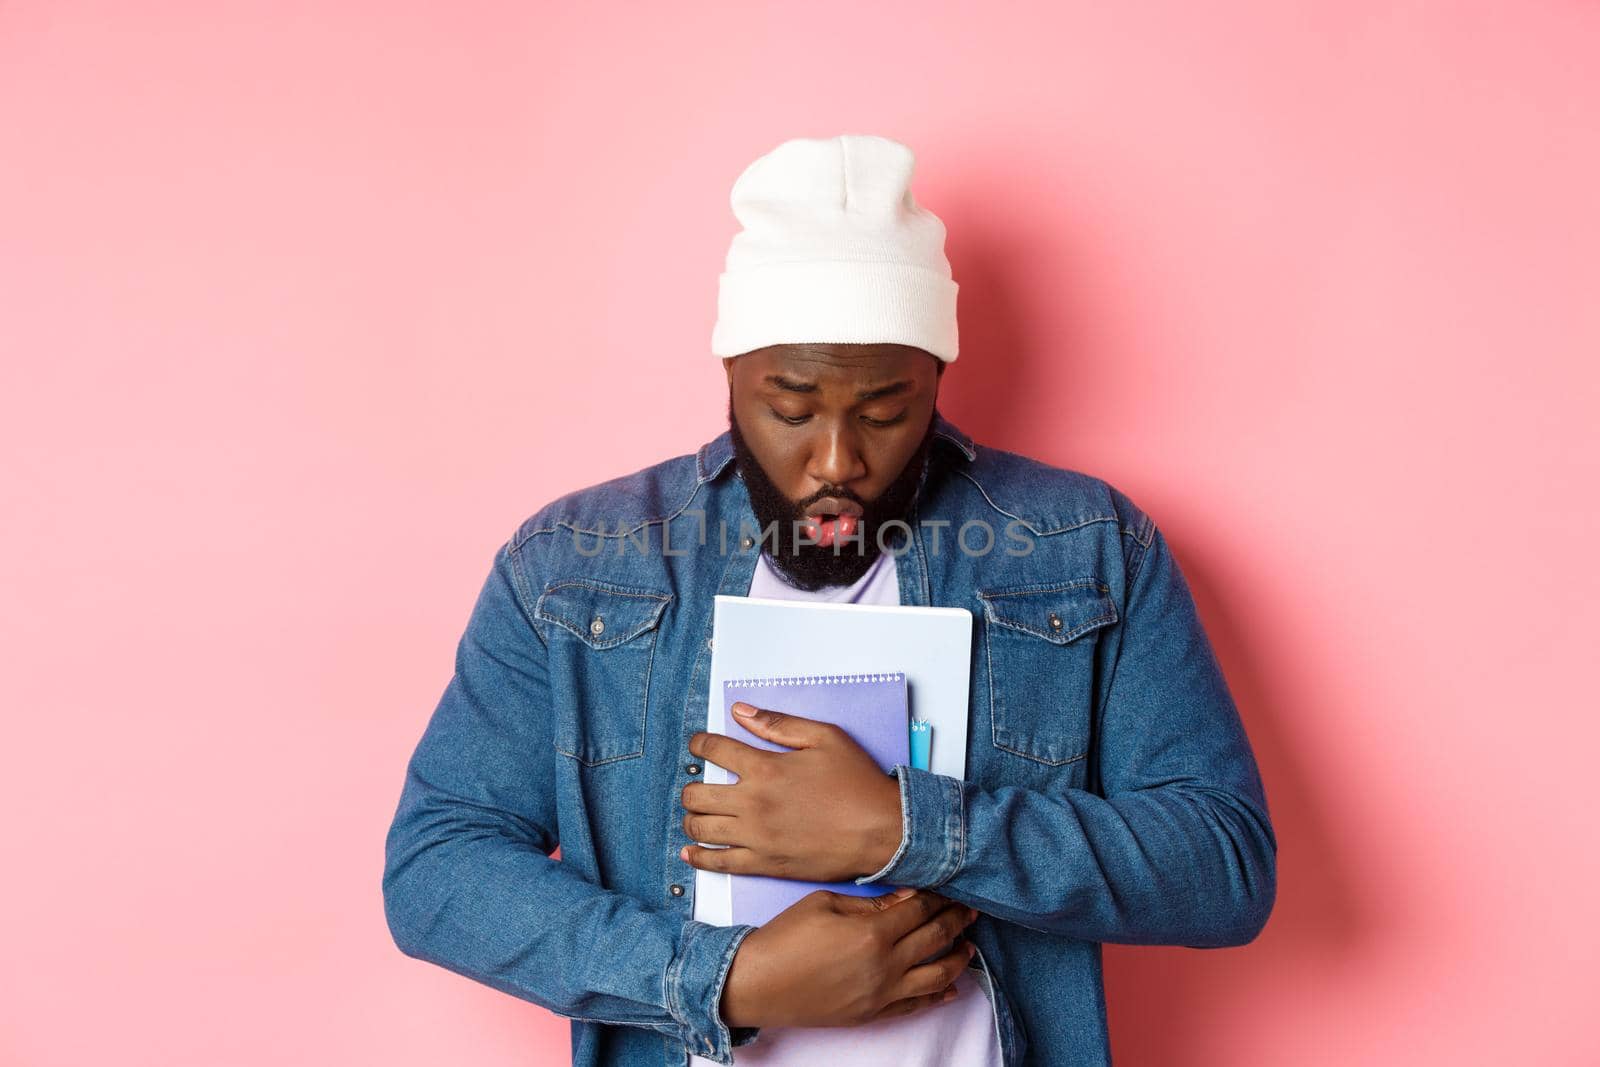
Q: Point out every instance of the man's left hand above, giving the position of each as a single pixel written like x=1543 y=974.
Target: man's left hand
x=824 y=812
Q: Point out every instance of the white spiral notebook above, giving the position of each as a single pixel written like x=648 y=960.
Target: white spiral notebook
x=755 y=637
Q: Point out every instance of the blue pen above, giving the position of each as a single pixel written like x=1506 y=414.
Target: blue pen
x=921 y=743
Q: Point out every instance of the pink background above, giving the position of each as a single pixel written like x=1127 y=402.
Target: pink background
x=304 y=307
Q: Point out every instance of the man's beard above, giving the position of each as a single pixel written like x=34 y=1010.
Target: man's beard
x=811 y=566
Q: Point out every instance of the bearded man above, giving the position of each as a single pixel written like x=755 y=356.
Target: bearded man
x=1111 y=793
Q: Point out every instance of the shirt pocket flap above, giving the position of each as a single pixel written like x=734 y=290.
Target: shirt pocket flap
x=1042 y=651
x=1058 y=613
x=601 y=614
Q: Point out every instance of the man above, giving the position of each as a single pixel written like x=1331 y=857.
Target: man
x=1111 y=793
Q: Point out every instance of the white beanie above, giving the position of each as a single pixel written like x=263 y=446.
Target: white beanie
x=834 y=249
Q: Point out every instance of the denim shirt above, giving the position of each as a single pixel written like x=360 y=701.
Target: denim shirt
x=1111 y=793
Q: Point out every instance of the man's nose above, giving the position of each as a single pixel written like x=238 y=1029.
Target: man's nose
x=836 y=460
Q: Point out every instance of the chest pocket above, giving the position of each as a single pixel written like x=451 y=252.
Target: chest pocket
x=1041 y=641
x=602 y=646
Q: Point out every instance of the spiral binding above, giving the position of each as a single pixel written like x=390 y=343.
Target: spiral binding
x=814 y=679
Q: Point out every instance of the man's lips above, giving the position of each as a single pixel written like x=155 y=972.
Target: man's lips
x=823 y=530
x=831 y=518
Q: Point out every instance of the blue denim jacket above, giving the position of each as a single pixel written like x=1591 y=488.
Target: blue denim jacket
x=1111 y=792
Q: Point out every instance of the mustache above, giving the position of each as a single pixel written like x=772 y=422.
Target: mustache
x=838 y=494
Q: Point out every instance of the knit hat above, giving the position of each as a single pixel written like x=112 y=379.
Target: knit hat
x=834 y=249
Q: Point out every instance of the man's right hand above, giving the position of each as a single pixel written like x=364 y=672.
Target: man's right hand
x=832 y=959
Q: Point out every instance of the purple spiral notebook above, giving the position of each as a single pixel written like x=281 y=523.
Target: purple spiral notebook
x=872 y=709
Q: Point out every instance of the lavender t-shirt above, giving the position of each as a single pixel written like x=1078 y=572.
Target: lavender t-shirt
x=962 y=1033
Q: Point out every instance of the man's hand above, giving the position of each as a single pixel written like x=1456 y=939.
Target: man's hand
x=831 y=959
x=825 y=812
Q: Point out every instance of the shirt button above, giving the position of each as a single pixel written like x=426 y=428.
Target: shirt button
x=1055 y=621
x=597 y=626
x=692 y=768
x=675 y=889
x=711 y=644
x=747 y=542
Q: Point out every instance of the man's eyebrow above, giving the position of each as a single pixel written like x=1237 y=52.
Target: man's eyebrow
x=789 y=385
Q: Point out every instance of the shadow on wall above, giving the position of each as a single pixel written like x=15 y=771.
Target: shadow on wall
x=988 y=388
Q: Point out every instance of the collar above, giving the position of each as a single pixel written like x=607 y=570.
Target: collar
x=717 y=453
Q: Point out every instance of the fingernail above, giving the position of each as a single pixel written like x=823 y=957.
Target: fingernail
x=972 y=949
x=972 y=913
x=903 y=892
x=744 y=711
x=949 y=994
